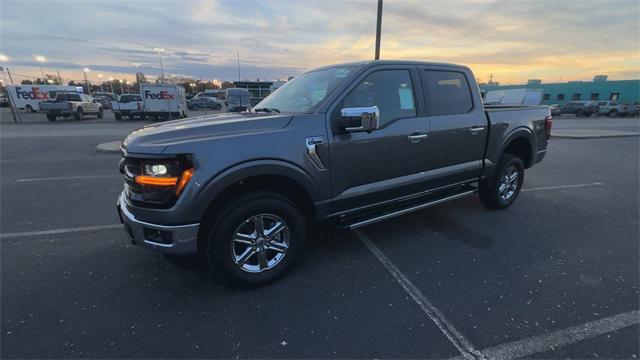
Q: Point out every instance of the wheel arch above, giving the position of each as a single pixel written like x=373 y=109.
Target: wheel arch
x=520 y=143
x=268 y=175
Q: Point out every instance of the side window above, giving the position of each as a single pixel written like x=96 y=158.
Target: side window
x=390 y=90
x=446 y=92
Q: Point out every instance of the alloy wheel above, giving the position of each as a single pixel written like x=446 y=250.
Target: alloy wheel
x=509 y=183
x=260 y=243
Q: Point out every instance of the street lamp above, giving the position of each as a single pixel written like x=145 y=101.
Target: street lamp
x=41 y=59
x=160 y=51
x=100 y=77
x=126 y=82
x=86 y=82
x=111 y=84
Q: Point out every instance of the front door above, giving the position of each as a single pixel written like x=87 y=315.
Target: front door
x=368 y=168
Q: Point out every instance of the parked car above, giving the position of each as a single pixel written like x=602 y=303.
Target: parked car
x=356 y=144
x=208 y=94
x=109 y=96
x=613 y=108
x=636 y=105
x=555 y=110
x=129 y=105
x=573 y=107
x=237 y=99
x=68 y=104
x=204 y=103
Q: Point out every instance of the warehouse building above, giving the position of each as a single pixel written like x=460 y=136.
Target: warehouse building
x=624 y=91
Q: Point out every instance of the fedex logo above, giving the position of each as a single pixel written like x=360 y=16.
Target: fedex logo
x=163 y=95
x=34 y=94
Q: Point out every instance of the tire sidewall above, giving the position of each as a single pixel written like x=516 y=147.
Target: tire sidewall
x=219 y=241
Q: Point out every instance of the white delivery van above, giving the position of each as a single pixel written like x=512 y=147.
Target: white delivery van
x=163 y=102
x=28 y=97
x=514 y=97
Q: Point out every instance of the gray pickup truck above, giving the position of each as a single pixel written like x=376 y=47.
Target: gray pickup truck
x=349 y=145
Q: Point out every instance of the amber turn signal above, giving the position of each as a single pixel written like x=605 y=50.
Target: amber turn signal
x=184 y=179
x=156 y=181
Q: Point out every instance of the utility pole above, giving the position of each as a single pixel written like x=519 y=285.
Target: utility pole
x=238 y=66
x=378 y=29
x=9 y=73
x=59 y=77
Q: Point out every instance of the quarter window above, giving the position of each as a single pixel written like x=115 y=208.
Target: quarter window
x=390 y=90
x=446 y=92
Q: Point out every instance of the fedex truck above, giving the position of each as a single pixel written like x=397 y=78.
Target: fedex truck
x=28 y=97
x=163 y=102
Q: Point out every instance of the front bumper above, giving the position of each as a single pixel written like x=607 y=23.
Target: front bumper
x=176 y=239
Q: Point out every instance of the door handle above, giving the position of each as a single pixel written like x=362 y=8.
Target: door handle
x=476 y=129
x=414 y=138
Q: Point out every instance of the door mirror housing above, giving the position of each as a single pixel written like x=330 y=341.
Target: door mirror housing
x=359 y=119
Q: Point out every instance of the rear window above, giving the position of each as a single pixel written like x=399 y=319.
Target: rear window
x=446 y=92
x=69 y=97
x=129 y=98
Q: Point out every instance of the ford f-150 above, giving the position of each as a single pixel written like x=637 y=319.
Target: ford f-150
x=348 y=144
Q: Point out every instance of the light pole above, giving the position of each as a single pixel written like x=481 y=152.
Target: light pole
x=86 y=82
x=111 y=84
x=160 y=51
x=41 y=59
x=378 y=29
x=126 y=82
x=100 y=77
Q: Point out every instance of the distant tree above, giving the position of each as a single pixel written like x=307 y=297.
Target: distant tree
x=26 y=82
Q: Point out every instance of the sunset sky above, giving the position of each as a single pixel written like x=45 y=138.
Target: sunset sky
x=514 y=40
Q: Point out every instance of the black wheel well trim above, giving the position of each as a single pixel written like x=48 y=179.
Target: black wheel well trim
x=515 y=135
x=251 y=169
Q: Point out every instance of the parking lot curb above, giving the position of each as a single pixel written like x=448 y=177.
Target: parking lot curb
x=594 y=136
x=112 y=147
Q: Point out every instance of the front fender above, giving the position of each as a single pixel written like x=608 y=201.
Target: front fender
x=236 y=173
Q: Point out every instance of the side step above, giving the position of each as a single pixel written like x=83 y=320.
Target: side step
x=415 y=207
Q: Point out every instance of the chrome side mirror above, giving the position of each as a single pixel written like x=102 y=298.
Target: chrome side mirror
x=359 y=119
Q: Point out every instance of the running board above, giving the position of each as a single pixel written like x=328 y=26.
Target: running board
x=393 y=214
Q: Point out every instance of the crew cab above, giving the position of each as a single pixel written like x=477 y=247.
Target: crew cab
x=128 y=105
x=346 y=145
x=68 y=104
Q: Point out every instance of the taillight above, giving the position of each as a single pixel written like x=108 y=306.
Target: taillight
x=548 y=121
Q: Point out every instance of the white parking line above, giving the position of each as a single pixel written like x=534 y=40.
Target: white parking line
x=68 y=178
x=558 y=187
x=560 y=338
x=59 y=231
x=459 y=341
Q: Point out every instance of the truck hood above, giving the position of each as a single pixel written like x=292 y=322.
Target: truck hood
x=154 y=139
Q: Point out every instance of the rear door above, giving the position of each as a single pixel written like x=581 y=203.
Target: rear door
x=369 y=168
x=458 y=125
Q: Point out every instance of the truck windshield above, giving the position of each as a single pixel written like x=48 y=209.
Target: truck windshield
x=305 y=91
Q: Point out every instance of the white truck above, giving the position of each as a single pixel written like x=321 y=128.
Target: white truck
x=28 y=97
x=67 y=104
x=163 y=102
x=130 y=105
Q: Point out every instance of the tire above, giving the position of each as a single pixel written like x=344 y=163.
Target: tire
x=578 y=113
x=613 y=113
x=29 y=109
x=118 y=116
x=131 y=117
x=100 y=113
x=265 y=260
x=79 y=115
x=490 y=189
x=51 y=117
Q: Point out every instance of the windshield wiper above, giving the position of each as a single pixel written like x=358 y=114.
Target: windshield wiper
x=267 y=110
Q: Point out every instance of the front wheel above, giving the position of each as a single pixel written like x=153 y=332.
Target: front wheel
x=503 y=188
x=51 y=117
x=100 y=113
x=255 y=239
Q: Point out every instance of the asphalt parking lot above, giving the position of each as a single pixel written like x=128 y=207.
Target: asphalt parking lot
x=554 y=276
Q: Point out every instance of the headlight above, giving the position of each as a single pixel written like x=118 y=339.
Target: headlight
x=156 y=182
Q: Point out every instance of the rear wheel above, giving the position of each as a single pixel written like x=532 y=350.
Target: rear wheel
x=503 y=188
x=255 y=239
x=613 y=113
x=51 y=117
x=100 y=113
x=79 y=115
x=118 y=116
x=28 y=108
